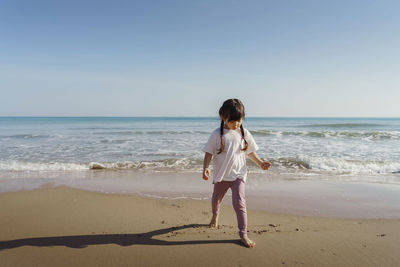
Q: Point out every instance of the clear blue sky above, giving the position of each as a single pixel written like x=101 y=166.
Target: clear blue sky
x=183 y=58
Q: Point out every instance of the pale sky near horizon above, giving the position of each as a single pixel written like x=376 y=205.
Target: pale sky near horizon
x=184 y=58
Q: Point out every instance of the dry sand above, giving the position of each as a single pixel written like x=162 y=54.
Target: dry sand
x=69 y=227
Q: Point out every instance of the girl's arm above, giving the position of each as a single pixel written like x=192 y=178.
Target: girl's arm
x=265 y=165
x=206 y=163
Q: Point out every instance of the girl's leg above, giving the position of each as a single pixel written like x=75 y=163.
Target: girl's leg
x=220 y=190
x=239 y=204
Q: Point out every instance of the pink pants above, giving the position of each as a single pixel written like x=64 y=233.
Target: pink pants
x=238 y=201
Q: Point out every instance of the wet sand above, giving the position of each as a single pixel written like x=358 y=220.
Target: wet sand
x=69 y=227
x=319 y=196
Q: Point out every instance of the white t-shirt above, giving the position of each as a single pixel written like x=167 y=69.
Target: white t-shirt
x=230 y=164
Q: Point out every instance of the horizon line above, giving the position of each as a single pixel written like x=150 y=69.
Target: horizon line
x=157 y=116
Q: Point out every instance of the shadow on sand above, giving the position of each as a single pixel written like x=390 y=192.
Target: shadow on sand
x=82 y=241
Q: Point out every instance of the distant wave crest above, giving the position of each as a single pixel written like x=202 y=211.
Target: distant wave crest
x=342 y=125
x=25 y=136
x=138 y=132
x=372 y=135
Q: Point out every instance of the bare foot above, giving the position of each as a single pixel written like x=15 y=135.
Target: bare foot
x=247 y=242
x=214 y=221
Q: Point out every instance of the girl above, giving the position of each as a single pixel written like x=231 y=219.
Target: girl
x=229 y=145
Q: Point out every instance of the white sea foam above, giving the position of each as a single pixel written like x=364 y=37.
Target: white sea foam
x=33 y=166
x=341 y=165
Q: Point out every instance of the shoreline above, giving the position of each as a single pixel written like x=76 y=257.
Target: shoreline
x=69 y=227
x=320 y=198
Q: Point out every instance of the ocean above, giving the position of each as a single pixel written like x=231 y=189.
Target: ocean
x=162 y=156
x=300 y=147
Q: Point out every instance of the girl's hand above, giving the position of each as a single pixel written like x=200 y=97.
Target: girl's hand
x=265 y=165
x=206 y=173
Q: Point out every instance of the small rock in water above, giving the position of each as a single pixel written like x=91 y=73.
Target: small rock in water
x=96 y=166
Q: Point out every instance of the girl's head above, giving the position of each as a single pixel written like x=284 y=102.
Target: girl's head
x=231 y=114
x=232 y=110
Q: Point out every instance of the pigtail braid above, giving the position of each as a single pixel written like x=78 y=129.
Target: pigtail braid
x=222 y=139
x=246 y=145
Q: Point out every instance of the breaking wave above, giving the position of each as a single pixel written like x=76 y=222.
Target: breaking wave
x=299 y=164
x=347 y=166
x=171 y=164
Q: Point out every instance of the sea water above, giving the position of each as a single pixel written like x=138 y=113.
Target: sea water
x=162 y=156
x=296 y=146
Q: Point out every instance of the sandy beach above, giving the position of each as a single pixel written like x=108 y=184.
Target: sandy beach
x=62 y=226
x=119 y=119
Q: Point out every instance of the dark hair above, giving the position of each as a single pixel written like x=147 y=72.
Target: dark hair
x=231 y=110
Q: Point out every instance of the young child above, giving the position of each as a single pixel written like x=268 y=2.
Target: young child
x=229 y=145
